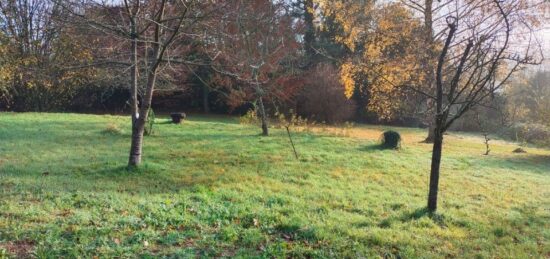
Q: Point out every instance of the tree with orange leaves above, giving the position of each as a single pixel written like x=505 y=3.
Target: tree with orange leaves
x=382 y=40
x=253 y=50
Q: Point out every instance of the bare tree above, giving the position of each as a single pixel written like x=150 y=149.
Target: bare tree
x=476 y=60
x=146 y=32
x=253 y=41
x=484 y=132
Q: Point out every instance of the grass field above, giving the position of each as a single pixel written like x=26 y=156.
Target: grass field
x=214 y=188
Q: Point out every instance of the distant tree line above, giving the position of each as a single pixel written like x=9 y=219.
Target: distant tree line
x=52 y=62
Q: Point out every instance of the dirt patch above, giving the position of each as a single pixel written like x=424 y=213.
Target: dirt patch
x=20 y=248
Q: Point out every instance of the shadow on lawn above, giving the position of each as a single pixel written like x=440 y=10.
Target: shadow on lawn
x=437 y=218
x=95 y=162
x=376 y=147
x=110 y=179
x=534 y=163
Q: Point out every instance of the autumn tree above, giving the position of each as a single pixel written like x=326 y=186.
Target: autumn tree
x=253 y=45
x=324 y=99
x=5 y=73
x=433 y=15
x=35 y=49
x=382 y=42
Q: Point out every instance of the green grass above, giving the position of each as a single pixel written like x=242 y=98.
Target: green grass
x=214 y=188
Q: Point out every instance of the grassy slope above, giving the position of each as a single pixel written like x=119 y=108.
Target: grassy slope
x=215 y=188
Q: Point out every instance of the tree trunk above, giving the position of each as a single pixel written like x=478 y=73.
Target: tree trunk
x=263 y=117
x=434 y=173
x=309 y=34
x=138 y=128
x=137 y=131
x=159 y=48
x=428 y=64
x=431 y=134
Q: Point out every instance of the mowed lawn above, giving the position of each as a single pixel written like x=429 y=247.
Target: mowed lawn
x=214 y=188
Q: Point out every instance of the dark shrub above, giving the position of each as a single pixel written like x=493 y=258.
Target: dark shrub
x=519 y=150
x=101 y=97
x=391 y=140
x=323 y=99
x=178 y=117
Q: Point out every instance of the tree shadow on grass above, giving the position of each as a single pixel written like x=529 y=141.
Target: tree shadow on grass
x=226 y=119
x=437 y=218
x=164 y=122
x=77 y=155
x=112 y=179
x=96 y=162
x=534 y=163
x=376 y=147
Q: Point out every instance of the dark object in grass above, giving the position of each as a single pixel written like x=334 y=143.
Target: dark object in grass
x=391 y=140
x=178 y=117
x=519 y=150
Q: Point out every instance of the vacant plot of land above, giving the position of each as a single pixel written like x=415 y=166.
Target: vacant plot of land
x=212 y=187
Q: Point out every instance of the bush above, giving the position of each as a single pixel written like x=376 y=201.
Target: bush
x=291 y=120
x=113 y=97
x=391 y=140
x=528 y=133
x=249 y=118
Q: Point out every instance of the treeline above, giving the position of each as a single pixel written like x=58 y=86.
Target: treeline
x=330 y=61
x=51 y=61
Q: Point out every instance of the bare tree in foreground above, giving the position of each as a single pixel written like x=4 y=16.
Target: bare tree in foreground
x=476 y=60
x=144 y=34
x=165 y=29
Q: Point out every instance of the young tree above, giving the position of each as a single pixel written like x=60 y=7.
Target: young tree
x=477 y=59
x=165 y=30
x=145 y=32
x=5 y=73
x=253 y=45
